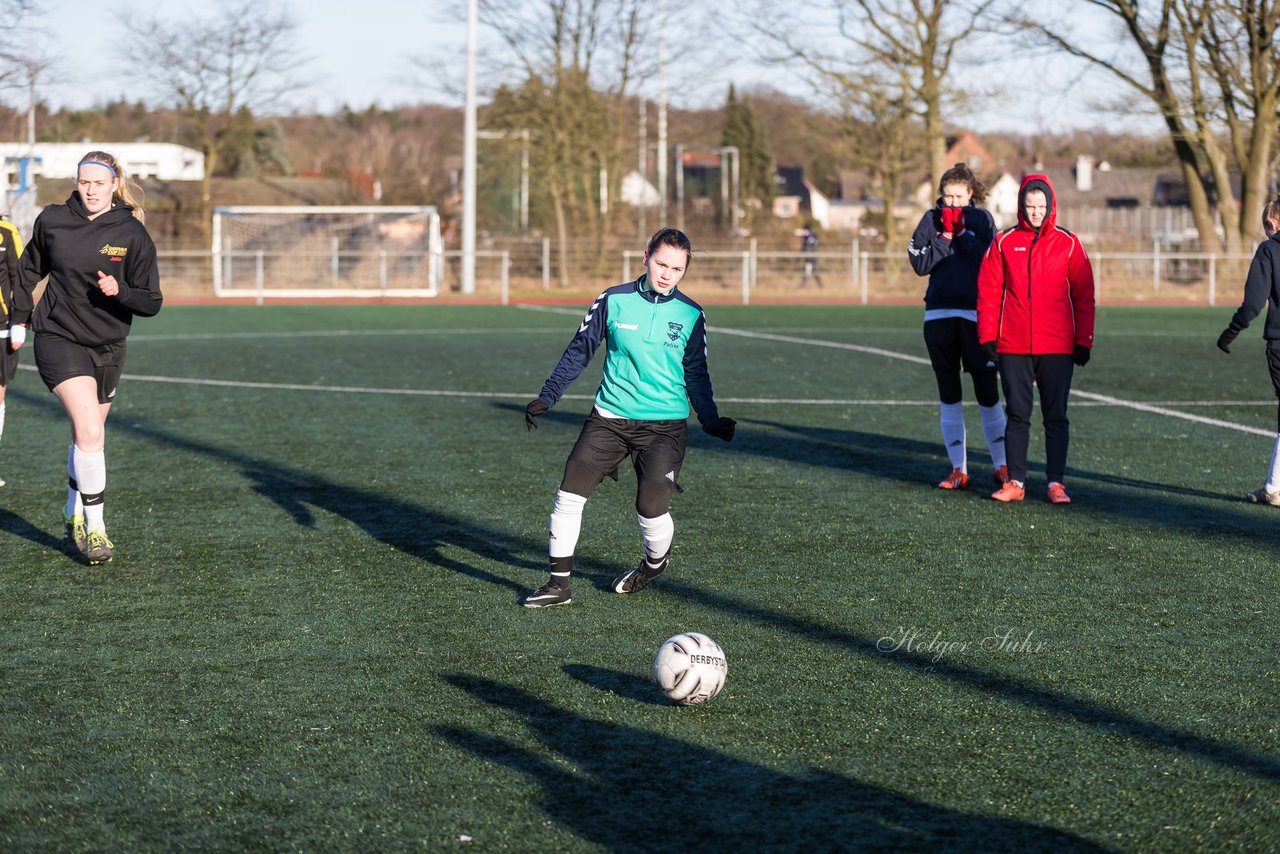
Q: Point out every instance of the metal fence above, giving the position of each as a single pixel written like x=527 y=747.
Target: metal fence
x=744 y=276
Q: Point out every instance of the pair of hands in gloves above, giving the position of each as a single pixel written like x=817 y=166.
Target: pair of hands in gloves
x=722 y=428
x=1080 y=356
x=952 y=220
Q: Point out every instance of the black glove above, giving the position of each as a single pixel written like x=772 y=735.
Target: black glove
x=532 y=411
x=1081 y=355
x=721 y=428
x=992 y=351
x=1224 y=340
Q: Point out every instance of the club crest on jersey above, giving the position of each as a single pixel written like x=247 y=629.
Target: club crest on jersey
x=117 y=253
x=673 y=331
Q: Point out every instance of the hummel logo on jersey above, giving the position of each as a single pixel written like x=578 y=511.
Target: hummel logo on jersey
x=1019 y=249
x=673 y=331
x=631 y=326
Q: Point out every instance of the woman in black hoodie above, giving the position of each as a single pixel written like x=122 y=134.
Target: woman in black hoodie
x=101 y=264
x=947 y=246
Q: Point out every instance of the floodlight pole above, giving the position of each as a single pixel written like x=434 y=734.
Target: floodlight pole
x=469 y=158
x=680 y=186
x=662 y=113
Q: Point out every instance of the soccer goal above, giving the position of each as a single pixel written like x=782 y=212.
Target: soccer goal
x=316 y=252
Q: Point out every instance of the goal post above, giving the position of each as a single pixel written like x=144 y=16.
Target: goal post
x=344 y=251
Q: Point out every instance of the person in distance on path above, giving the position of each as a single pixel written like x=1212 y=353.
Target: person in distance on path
x=102 y=270
x=1036 y=316
x=947 y=246
x=1262 y=287
x=655 y=340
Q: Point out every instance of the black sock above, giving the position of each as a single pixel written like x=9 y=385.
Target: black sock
x=561 y=567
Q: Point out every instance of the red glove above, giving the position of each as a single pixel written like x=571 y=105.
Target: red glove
x=952 y=220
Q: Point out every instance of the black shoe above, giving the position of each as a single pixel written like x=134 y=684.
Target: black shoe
x=635 y=580
x=551 y=593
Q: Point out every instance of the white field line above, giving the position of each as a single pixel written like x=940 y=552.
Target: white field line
x=1171 y=409
x=1102 y=399
x=330 y=333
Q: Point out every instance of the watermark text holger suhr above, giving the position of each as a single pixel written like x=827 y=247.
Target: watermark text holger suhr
x=920 y=642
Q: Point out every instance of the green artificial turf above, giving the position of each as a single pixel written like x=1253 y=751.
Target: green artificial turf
x=324 y=518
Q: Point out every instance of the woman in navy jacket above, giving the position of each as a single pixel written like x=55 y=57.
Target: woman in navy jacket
x=947 y=246
x=1262 y=288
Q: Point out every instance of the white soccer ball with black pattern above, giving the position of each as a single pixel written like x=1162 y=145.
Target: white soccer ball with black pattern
x=690 y=668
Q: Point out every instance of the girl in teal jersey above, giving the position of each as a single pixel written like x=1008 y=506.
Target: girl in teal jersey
x=655 y=366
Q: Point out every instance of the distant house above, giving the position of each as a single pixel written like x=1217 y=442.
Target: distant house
x=638 y=191
x=965 y=148
x=164 y=161
x=1002 y=200
x=796 y=197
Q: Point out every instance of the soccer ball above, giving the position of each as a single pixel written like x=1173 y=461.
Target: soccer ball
x=690 y=668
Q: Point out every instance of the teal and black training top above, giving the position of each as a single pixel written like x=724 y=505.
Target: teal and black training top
x=655 y=355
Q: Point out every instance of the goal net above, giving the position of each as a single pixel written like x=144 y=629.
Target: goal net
x=314 y=251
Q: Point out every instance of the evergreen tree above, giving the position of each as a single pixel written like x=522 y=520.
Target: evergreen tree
x=743 y=130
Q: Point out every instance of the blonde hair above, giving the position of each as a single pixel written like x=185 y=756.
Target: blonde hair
x=127 y=192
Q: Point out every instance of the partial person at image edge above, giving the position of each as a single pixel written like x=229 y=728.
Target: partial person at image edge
x=12 y=334
x=1262 y=287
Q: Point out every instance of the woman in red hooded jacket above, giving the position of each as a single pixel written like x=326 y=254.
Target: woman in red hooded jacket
x=1036 y=313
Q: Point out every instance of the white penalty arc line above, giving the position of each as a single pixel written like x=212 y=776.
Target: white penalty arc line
x=1084 y=395
x=1171 y=413
x=818 y=342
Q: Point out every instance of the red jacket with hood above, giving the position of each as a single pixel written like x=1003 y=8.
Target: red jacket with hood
x=1035 y=286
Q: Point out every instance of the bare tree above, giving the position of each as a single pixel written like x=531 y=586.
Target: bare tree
x=899 y=51
x=13 y=11
x=24 y=63
x=579 y=61
x=1211 y=69
x=240 y=56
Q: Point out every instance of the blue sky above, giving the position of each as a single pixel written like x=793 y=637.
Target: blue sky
x=363 y=52
x=360 y=52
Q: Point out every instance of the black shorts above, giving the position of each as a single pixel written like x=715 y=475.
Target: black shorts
x=952 y=342
x=8 y=362
x=656 y=448
x=59 y=359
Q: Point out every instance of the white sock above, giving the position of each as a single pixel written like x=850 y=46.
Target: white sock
x=657 y=534
x=566 y=524
x=1 y=413
x=74 y=505
x=951 y=417
x=1273 y=476
x=91 y=476
x=993 y=424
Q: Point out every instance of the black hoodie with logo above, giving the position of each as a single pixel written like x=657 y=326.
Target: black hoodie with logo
x=71 y=250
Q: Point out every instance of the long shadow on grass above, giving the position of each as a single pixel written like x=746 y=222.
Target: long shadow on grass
x=898 y=458
x=11 y=523
x=1108 y=721
x=630 y=789
x=410 y=528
